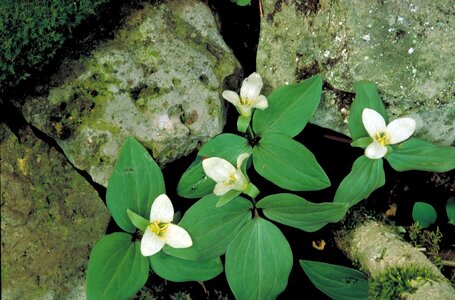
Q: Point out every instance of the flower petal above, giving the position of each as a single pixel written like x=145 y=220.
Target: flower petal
x=375 y=150
x=261 y=102
x=221 y=188
x=162 y=210
x=217 y=168
x=231 y=97
x=240 y=184
x=177 y=237
x=241 y=158
x=373 y=122
x=251 y=86
x=400 y=129
x=151 y=243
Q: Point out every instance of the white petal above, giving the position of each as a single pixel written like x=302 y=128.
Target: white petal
x=151 y=243
x=400 y=129
x=261 y=102
x=177 y=237
x=217 y=168
x=375 y=150
x=251 y=86
x=231 y=97
x=373 y=122
x=162 y=210
x=245 y=110
x=240 y=183
x=241 y=158
x=222 y=188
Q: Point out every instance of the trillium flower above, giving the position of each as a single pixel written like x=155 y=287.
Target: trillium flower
x=396 y=132
x=249 y=96
x=226 y=176
x=161 y=231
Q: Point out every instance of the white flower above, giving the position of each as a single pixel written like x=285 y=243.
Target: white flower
x=249 y=95
x=226 y=176
x=161 y=231
x=396 y=132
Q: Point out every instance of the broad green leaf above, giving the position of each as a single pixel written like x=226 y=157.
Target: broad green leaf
x=135 y=183
x=194 y=183
x=450 y=208
x=295 y=211
x=290 y=108
x=424 y=214
x=228 y=197
x=212 y=228
x=288 y=164
x=180 y=270
x=337 y=282
x=258 y=261
x=366 y=176
x=116 y=268
x=416 y=154
x=366 y=97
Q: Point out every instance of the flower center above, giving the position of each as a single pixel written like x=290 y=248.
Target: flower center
x=382 y=138
x=246 y=101
x=231 y=179
x=158 y=228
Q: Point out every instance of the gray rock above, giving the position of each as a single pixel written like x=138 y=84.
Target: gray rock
x=406 y=47
x=51 y=218
x=159 y=79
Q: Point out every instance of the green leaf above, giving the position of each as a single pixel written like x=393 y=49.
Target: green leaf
x=362 y=142
x=181 y=270
x=116 y=268
x=226 y=198
x=212 y=228
x=450 y=208
x=290 y=108
x=295 y=211
x=366 y=176
x=242 y=2
x=416 y=154
x=366 y=97
x=288 y=164
x=258 y=261
x=135 y=183
x=424 y=214
x=337 y=282
x=138 y=221
x=194 y=183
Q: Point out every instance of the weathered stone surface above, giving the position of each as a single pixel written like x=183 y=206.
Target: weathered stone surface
x=159 y=80
x=51 y=218
x=406 y=47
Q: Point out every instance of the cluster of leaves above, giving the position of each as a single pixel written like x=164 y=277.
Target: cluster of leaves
x=258 y=257
x=32 y=31
x=424 y=214
x=428 y=240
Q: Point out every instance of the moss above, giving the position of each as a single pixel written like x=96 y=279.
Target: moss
x=430 y=240
x=394 y=283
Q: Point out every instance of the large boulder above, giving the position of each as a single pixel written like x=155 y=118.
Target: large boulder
x=51 y=218
x=159 y=79
x=406 y=47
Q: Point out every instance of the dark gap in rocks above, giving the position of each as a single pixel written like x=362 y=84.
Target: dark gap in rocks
x=16 y=122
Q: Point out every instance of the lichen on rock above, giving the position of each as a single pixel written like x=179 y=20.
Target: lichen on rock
x=406 y=47
x=51 y=218
x=159 y=79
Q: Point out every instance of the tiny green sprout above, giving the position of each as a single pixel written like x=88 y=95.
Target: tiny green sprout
x=383 y=135
x=249 y=98
x=161 y=231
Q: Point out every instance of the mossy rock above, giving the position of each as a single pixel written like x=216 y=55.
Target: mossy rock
x=159 y=79
x=51 y=218
x=406 y=47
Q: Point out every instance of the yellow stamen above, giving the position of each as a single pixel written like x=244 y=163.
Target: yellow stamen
x=246 y=101
x=158 y=228
x=383 y=138
x=231 y=180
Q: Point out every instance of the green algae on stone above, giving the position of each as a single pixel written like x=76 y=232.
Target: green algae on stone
x=51 y=217
x=159 y=79
x=406 y=47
